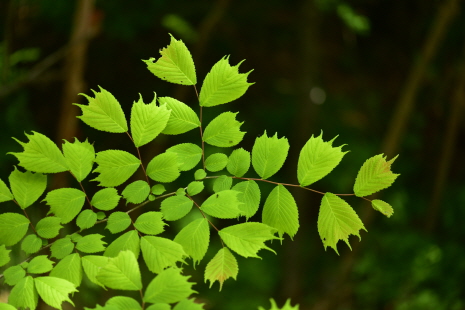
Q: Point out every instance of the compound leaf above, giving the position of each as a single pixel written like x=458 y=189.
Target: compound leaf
x=54 y=291
x=103 y=112
x=249 y=196
x=91 y=243
x=188 y=155
x=62 y=247
x=27 y=186
x=150 y=223
x=65 y=203
x=269 y=154
x=336 y=221
x=115 y=167
x=182 y=118
x=175 y=207
x=106 y=199
x=223 y=131
x=92 y=265
x=163 y=168
x=160 y=253
x=24 y=294
x=86 y=219
x=374 y=176
x=31 y=244
x=14 y=274
x=382 y=207
x=123 y=302
x=127 y=241
x=14 y=227
x=40 y=264
x=69 y=268
x=216 y=162
x=5 y=194
x=118 y=221
x=222 y=266
x=121 y=273
x=48 y=227
x=238 y=162
x=223 y=205
x=168 y=287
x=195 y=238
x=79 y=157
x=136 y=192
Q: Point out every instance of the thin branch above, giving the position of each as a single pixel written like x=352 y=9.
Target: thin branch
x=140 y=158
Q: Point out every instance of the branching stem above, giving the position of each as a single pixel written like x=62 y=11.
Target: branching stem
x=140 y=158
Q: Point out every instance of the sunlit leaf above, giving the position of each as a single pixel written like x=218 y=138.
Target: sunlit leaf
x=238 y=162
x=124 y=302
x=54 y=291
x=127 y=241
x=86 y=219
x=79 y=157
x=24 y=294
x=182 y=118
x=224 y=205
x=222 y=266
x=91 y=243
x=222 y=183
x=195 y=238
x=150 y=223
x=223 y=131
x=27 y=187
x=160 y=253
x=92 y=265
x=249 y=196
x=48 y=227
x=269 y=154
x=14 y=274
x=118 y=221
x=115 y=167
x=40 y=264
x=5 y=194
x=69 y=268
x=121 y=273
x=287 y=306
x=14 y=227
x=188 y=155
x=62 y=247
x=4 y=255
x=216 y=162
x=163 y=168
x=382 y=207
x=65 y=203
x=175 y=207
x=136 y=192
x=188 y=304
x=194 y=188
x=168 y=287
x=31 y=244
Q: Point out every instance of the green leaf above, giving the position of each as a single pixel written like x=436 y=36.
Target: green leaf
x=175 y=207
x=48 y=227
x=188 y=304
x=40 y=264
x=69 y=268
x=159 y=306
x=31 y=244
x=175 y=64
x=92 y=265
x=280 y=211
x=14 y=227
x=374 y=176
x=4 y=255
x=223 y=205
x=79 y=157
x=101 y=215
x=317 y=159
x=223 y=131
x=118 y=222
x=5 y=194
x=163 y=168
x=246 y=239
x=222 y=266
x=160 y=253
x=150 y=223
x=103 y=112
x=40 y=155
x=24 y=294
x=194 y=188
x=222 y=183
x=65 y=203
x=336 y=221
x=195 y=238
x=269 y=154
x=200 y=174
x=127 y=241
x=249 y=197
x=106 y=199
x=216 y=162
x=121 y=272
x=158 y=189
x=54 y=291
x=182 y=118
x=188 y=155
x=136 y=192
x=4 y=306
x=14 y=274
x=238 y=162
x=27 y=186
x=115 y=167
x=287 y=306
x=168 y=287
x=86 y=219
x=123 y=302
x=181 y=191
x=62 y=247
x=223 y=84
x=91 y=243
x=147 y=121
x=382 y=207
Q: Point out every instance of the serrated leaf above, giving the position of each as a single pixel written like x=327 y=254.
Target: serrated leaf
x=31 y=244
x=200 y=174
x=188 y=304
x=175 y=64
x=224 y=205
x=127 y=241
x=69 y=268
x=92 y=265
x=79 y=157
x=317 y=159
x=160 y=253
x=336 y=221
x=115 y=167
x=86 y=219
x=65 y=203
x=91 y=243
x=247 y=239
x=222 y=183
x=182 y=118
x=40 y=155
x=159 y=306
x=223 y=131
x=188 y=155
x=221 y=267
x=195 y=238
x=14 y=274
x=5 y=306
x=27 y=186
x=61 y=248
x=40 y=264
x=24 y=294
x=163 y=168
x=121 y=273
x=136 y=192
x=158 y=189
x=216 y=162
x=269 y=154
x=5 y=194
x=223 y=84
x=4 y=255
x=175 y=207
x=168 y=287
x=147 y=121
x=123 y=302
x=54 y=291
x=150 y=223
x=383 y=207
x=106 y=199
x=287 y=306
x=103 y=112
x=14 y=227
x=101 y=215
x=280 y=211
x=194 y=188
x=374 y=176
x=118 y=221
x=238 y=162
x=48 y=227
x=249 y=197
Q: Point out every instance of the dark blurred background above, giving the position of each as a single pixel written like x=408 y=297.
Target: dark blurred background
x=386 y=76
